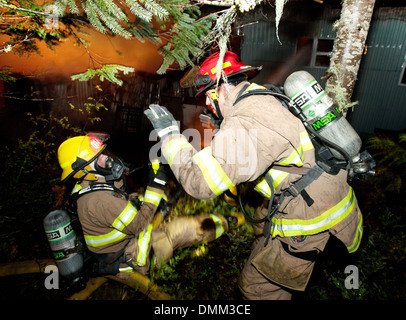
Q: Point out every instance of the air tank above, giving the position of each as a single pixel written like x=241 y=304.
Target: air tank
x=322 y=115
x=62 y=238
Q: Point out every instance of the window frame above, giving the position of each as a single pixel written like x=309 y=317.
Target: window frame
x=315 y=53
x=402 y=75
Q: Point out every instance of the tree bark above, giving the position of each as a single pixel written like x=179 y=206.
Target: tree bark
x=349 y=46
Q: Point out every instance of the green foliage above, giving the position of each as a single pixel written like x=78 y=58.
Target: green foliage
x=6 y=75
x=381 y=256
x=29 y=171
x=181 y=30
x=26 y=23
x=185 y=35
x=107 y=71
x=209 y=271
x=391 y=163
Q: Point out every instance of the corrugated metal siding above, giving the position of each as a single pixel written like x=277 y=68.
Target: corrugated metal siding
x=381 y=99
x=260 y=44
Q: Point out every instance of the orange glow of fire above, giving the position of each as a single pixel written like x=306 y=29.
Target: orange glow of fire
x=68 y=58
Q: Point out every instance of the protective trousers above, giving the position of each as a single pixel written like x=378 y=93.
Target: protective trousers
x=283 y=265
x=179 y=233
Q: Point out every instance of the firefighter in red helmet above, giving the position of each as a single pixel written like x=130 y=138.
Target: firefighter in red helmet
x=261 y=141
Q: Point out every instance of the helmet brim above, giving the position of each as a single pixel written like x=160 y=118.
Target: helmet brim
x=66 y=174
x=250 y=72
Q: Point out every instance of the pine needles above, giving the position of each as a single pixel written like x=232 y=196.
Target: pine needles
x=107 y=71
x=185 y=35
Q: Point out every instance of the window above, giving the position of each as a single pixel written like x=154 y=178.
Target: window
x=402 y=81
x=314 y=52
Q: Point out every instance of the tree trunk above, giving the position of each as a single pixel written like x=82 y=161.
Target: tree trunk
x=352 y=30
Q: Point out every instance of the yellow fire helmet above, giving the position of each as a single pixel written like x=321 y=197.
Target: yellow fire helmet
x=75 y=154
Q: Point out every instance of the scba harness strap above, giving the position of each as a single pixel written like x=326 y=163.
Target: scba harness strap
x=102 y=263
x=308 y=174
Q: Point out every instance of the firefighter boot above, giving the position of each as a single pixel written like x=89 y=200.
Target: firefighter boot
x=184 y=232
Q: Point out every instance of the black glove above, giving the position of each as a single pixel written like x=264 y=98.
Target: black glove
x=162 y=120
x=158 y=179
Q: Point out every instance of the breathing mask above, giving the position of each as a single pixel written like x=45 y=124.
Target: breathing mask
x=110 y=167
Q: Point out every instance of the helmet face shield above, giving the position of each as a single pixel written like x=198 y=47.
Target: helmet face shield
x=89 y=148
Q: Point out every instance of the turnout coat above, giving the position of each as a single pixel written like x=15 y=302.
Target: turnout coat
x=256 y=134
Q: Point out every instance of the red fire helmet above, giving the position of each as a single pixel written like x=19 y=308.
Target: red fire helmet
x=232 y=66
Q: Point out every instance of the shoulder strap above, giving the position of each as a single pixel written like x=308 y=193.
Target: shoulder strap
x=308 y=176
x=72 y=199
x=244 y=93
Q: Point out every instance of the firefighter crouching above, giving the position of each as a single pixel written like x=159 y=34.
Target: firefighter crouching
x=261 y=141
x=117 y=227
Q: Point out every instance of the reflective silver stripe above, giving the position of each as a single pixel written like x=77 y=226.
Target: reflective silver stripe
x=263 y=188
x=213 y=173
x=76 y=188
x=358 y=236
x=174 y=146
x=98 y=241
x=125 y=217
x=277 y=177
x=294 y=227
x=219 y=225
x=126 y=269
x=123 y=220
x=152 y=197
x=143 y=244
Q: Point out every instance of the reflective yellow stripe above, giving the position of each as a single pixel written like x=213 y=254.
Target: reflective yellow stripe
x=358 y=236
x=294 y=227
x=174 y=146
x=254 y=86
x=277 y=178
x=143 y=244
x=263 y=188
x=219 y=225
x=126 y=269
x=213 y=173
x=226 y=64
x=295 y=158
x=123 y=220
x=152 y=197
x=98 y=241
x=305 y=141
x=125 y=217
x=76 y=188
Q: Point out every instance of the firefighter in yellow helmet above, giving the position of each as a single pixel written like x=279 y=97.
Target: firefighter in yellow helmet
x=260 y=141
x=117 y=227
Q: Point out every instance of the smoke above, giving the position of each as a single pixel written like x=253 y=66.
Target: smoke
x=68 y=58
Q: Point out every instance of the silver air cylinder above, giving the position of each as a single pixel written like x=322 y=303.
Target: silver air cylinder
x=322 y=115
x=61 y=238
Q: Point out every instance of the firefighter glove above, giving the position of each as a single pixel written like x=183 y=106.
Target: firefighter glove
x=162 y=120
x=208 y=121
x=158 y=179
